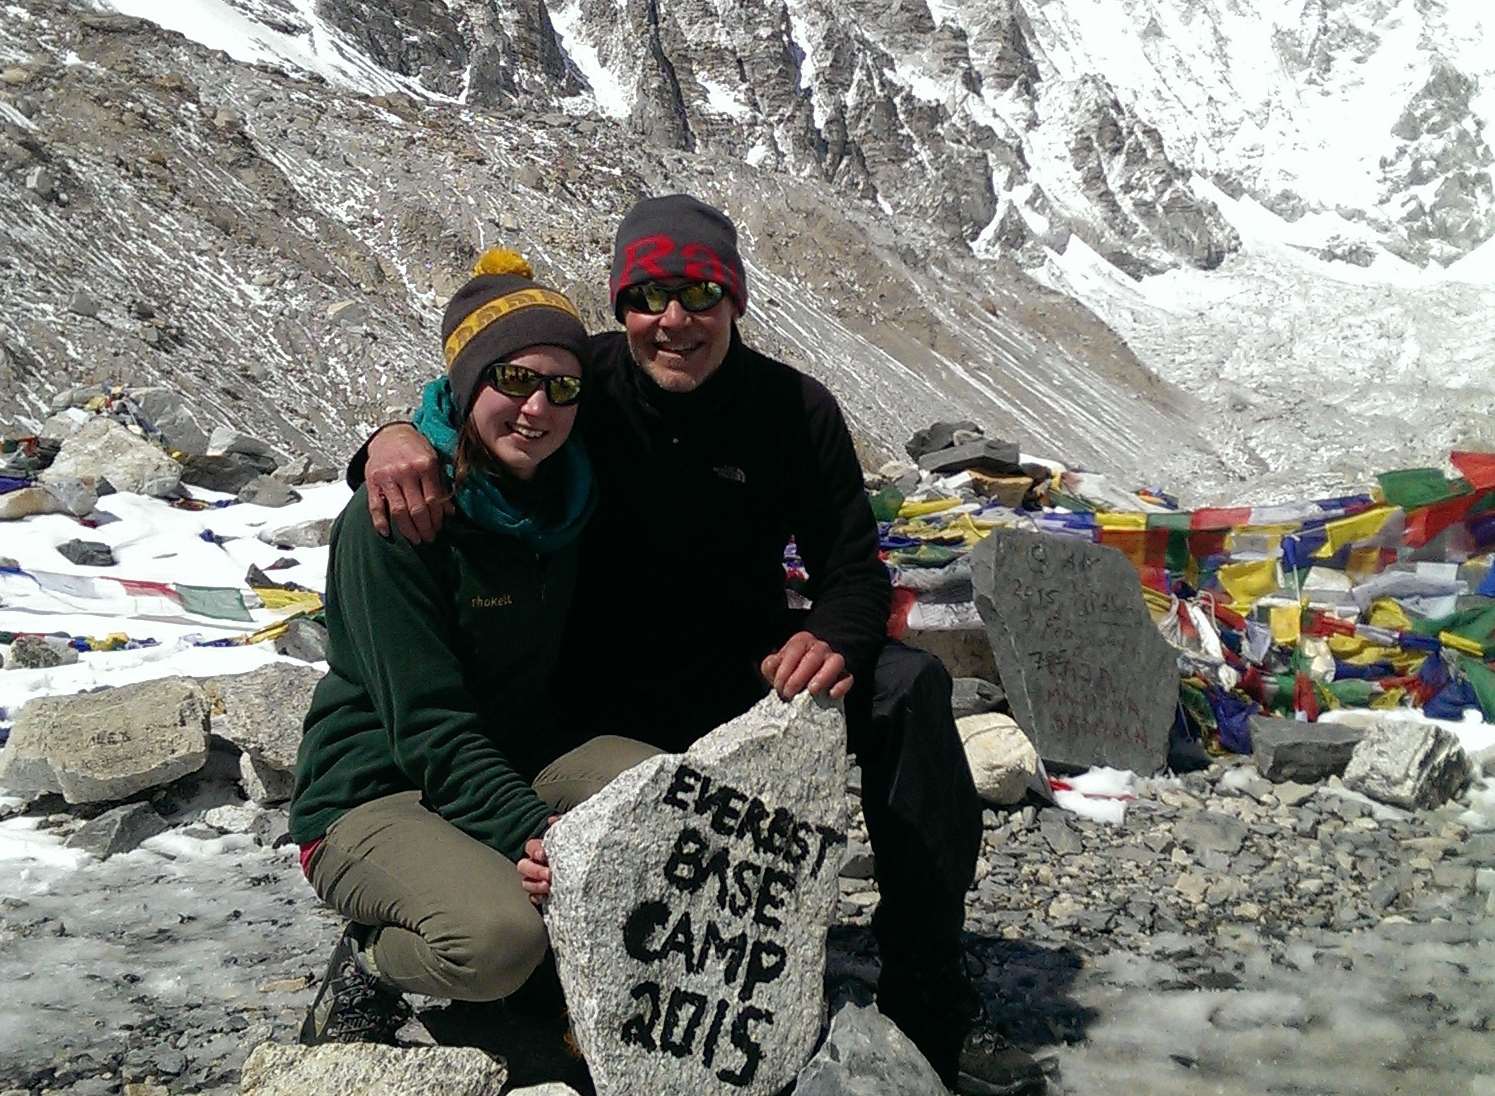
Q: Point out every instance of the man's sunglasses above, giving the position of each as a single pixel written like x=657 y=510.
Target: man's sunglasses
x=520 y=383
x=654 y=298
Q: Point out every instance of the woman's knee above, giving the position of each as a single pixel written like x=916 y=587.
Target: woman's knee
x=496 y=956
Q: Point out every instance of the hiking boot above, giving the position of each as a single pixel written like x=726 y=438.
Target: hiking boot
x=353 y=1005
x=944 y=1016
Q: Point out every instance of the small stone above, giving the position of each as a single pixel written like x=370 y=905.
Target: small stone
x=267 y=491
x=82 y=303
x=1192 y=886
x=973 y=696
x=303 y=639
x=87 y=553
x=1292 y=794
x=1211 y=831
x=306 y=534
x=1002 y=760
x=118 y=831
x=1382 y=893
x=232 y=818
x=1060 y=834
x=865 y=1054
x=348 y=313
x=15 y=76
x=40 y=182
x=858 y=862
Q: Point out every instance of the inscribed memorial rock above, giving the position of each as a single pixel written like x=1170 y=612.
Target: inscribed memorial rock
x=1088 y=674
x=690 y=904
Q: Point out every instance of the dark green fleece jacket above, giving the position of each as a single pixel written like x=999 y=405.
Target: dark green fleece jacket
x=440 y=661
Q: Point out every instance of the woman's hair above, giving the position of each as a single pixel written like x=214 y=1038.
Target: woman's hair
x=472 y=456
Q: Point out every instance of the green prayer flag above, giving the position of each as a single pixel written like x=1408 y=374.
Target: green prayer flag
x=1482 y=680
x=886 y=503
x=222 y=602
x=1172 y=520
x=1413 y=487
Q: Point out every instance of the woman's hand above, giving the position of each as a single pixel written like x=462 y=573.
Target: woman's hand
x=405 y=484
x=534 y=868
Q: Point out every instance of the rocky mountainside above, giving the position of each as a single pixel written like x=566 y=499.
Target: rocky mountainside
x=937 y=199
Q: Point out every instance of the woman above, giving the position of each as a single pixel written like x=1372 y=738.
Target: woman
x=430 y=765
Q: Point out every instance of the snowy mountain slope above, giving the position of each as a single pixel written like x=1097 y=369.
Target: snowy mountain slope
x=292 y=243
x=1293 y=166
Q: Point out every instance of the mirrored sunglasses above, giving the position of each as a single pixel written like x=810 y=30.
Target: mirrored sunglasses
x=654 y=298
x=520 y=383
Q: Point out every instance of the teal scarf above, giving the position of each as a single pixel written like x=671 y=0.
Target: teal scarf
x=480 y=498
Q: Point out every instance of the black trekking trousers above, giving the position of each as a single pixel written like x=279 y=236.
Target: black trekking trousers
x=922 y=811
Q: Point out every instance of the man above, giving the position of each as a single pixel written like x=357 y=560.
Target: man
x=709 y=456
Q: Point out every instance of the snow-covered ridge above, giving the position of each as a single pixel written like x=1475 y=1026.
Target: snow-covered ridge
x=1257 y=154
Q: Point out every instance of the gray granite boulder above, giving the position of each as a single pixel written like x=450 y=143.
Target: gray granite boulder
x=261 y=711
x=117 y=831
x=690 y=903
x=41 y=653
x=366 y=1069
x=995 y=457
x=107 y=745
x=105 y=449
x=1285 y=749
x=227 y=473
x=865 y=1054
x=936 y=436
x=1409 y=765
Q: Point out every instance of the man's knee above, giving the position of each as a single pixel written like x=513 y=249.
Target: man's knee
x=495 y=956
x=910 y=675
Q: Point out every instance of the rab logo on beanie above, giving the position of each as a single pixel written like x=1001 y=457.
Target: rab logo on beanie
x=677 y=236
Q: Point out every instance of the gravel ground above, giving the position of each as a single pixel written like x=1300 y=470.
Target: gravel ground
x=1225 y=938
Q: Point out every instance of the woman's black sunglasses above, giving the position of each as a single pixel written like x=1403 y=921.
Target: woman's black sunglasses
x=520 y=383
x=654 y=298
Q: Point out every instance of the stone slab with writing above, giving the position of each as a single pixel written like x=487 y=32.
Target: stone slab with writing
x=1088 y=674
x=690 y=902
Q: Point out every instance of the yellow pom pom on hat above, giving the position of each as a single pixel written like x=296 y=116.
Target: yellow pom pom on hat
x=500 y=312
x=501 y=260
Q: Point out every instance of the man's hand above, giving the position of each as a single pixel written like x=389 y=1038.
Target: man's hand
x=534 y=868
x=405 y=484
x=805 y=662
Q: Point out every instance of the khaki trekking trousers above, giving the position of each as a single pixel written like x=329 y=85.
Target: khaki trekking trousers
x=450 y=917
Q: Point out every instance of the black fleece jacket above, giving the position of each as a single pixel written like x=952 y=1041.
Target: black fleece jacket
x=680 y=593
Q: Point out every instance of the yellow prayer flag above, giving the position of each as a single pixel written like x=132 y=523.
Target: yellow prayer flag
x=928 y=506
x=1386 y=613
x=1121 y=519
x=1462 y=643
x=302 y=601
x=1247 y=582
x=1348 y=530
x=1287 y=623
x=1391 y=698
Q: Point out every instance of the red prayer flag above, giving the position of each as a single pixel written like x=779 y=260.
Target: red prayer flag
x=1477 y=468
x=1220 y=517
